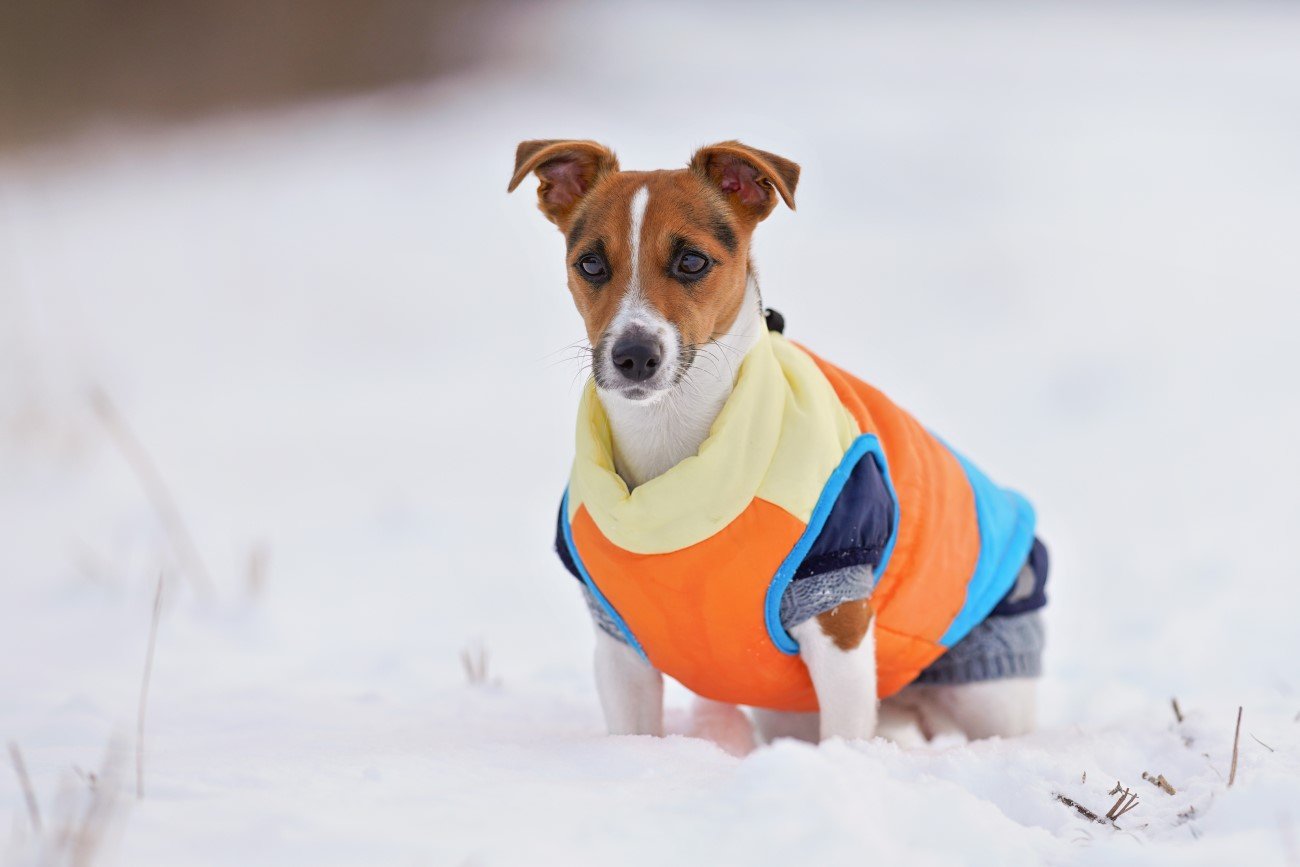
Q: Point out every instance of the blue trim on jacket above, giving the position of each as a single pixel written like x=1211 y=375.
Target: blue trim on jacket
x=1006 y=526
x=821 y=519
x=575 y=559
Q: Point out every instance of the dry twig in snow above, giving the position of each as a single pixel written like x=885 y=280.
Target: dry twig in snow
x=1160 y=782
x=90 y=778
x=1127 y=801
x=144 y=690
x=78 y=839
x=25 y=783
x=1236 y=743
x=1083 y=811
x=259 y=561
x=1178 y=711
x=475 y=661
x=156 y=490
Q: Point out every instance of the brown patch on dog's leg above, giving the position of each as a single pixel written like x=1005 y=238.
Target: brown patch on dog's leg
x=847 y=624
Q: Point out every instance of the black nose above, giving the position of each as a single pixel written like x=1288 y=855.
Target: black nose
x=637 y=358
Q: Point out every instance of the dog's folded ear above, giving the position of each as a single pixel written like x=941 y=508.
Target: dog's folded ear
x=750 y=178
x=566 y=169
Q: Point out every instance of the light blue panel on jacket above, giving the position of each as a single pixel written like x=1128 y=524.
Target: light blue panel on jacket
x=1006 y=525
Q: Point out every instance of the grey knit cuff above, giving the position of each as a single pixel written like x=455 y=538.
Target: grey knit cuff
x=997 y=648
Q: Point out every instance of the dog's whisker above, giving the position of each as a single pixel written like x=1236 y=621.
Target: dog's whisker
x=569 y=360
x=581 y=345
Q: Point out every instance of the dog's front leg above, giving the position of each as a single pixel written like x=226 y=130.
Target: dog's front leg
x=839 y=648
x=631 y=690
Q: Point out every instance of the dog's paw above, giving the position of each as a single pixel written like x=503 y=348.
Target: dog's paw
x=724 y=724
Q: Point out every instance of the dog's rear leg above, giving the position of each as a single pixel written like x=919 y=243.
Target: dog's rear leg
x=983 y=709
x=631 y=690
x=721 y=722
x=839 y=648
x=773 y=724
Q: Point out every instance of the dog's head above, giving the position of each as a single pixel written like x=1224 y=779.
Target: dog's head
x=657 y=261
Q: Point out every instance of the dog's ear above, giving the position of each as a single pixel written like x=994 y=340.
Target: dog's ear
x=566 y=169
x=750 y=178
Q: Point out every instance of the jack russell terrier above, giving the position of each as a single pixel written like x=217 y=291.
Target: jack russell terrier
x=748 y=518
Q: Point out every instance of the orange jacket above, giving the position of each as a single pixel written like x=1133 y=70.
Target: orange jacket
x=692 y=565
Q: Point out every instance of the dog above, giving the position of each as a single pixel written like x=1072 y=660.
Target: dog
x=746 y=517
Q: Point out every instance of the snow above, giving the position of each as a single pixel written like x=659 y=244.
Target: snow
x=1063 y=235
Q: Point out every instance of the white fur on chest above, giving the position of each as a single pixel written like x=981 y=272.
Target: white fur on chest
x=652 y=436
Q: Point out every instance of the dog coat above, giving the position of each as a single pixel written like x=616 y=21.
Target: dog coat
x=806 y=470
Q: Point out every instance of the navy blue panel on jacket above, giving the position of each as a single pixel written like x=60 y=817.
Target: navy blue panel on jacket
x=859 y=525
x=560 y=547
x=1029 y=593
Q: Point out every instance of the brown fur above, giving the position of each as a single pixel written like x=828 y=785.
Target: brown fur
x=846 y=625
x=566 y=169
x=693 y=207
x=755 y=174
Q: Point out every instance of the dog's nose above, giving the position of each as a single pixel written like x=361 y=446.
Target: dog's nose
x=637 y=358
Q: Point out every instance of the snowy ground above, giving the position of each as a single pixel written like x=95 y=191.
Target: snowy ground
x=1065 y=237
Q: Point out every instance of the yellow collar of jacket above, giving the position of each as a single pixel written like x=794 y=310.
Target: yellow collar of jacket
x=779 y=436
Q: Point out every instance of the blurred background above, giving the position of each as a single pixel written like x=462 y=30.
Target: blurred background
x=68 y=65
x=271 y=327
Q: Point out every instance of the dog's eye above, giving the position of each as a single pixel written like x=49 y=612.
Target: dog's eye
x=592 y=267
x=692 y=264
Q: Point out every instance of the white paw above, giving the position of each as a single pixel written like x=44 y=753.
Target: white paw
x=724 y=724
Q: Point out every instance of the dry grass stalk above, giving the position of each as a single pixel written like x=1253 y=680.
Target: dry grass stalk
x=474 y=659
x=156 y=490
x=82 y=838
x=1127 y=801
x=1133 y=802
x=1160 y=782
x=1078 y=806
x=1178 y=711
x=259 y=562
x=144 y=690
x=25 y=783
x=1262 y=744
x=90 y=778
x=1236 y=744
x=81 y=815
